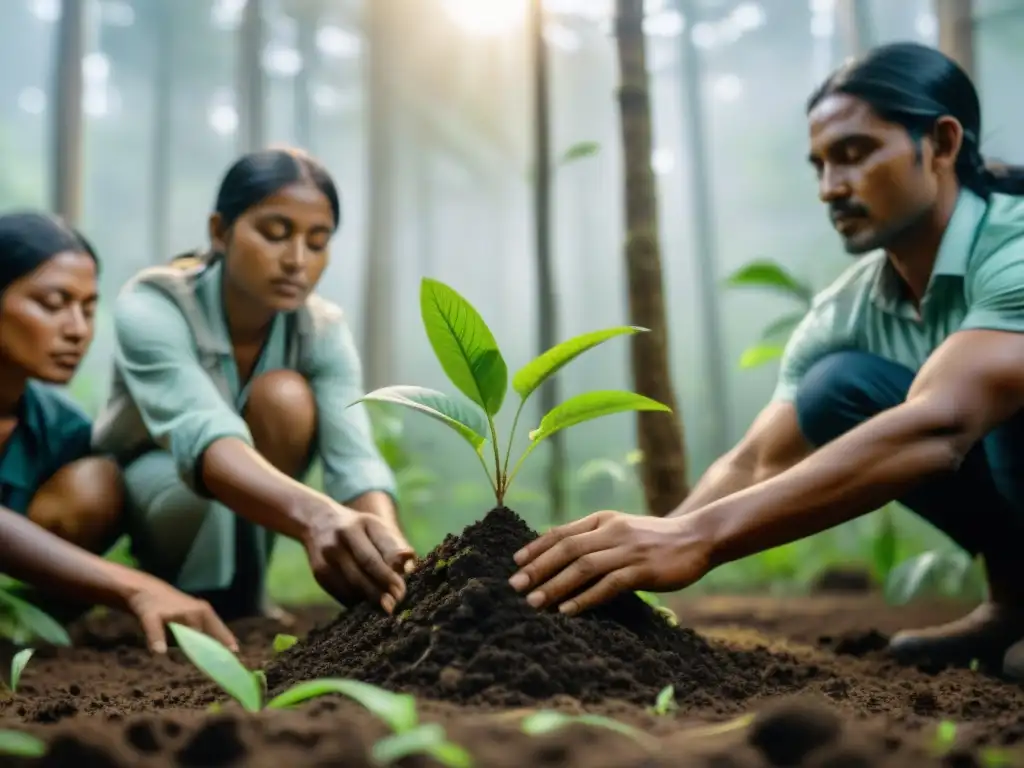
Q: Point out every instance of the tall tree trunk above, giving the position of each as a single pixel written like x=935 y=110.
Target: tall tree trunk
x=660 y=435
x=547 y=319
x=705 y=245
x=163 y=114
x=66 y=189
x=378 y=308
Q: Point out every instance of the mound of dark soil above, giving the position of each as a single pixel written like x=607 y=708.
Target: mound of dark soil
x=464 y=635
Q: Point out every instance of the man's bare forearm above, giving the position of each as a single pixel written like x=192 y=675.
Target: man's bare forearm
x=723 y=478
x=375 y=503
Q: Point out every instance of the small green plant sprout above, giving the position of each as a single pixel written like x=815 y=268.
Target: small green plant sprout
x=18 y=744
x=18 y=664
x=283 y=642
x=397 y=710
x=665 y=703
x=546 y=721
x=470 y=358
x=945 y=737
x=994 y=757
x=662 y=610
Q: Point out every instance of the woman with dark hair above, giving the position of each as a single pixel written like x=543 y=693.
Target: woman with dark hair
x=905 y=381
x=230 y=376
x=59 y=503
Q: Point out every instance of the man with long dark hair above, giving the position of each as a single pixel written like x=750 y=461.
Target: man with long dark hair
x=905 y=381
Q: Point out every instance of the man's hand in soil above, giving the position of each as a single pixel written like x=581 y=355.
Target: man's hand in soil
x=607 y=553
x=358 y=555
x=156 y=603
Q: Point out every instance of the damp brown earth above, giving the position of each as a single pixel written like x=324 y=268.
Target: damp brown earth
x=811 y=670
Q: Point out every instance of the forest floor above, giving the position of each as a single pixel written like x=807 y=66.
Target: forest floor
x=758 y=681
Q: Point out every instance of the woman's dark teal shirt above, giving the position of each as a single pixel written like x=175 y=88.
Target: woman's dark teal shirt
x=51 y=433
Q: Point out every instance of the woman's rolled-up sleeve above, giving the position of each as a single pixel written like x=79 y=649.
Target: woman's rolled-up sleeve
x=180 y=405
x=352 y=463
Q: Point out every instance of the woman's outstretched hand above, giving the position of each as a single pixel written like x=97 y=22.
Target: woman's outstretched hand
x=585 y=563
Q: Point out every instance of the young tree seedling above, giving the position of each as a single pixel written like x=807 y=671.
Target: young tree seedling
x=397 y=710
x=662 y=610
x=26 y=622
x=470 y=358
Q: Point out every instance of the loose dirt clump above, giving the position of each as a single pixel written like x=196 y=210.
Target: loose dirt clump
x=463 y=635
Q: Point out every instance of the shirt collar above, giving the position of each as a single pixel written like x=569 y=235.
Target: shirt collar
x=952 y=259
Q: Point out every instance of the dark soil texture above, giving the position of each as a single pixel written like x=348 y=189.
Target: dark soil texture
x=758 y=681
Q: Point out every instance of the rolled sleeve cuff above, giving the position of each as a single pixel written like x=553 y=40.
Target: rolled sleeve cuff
x=188 y=454
x=358 y=477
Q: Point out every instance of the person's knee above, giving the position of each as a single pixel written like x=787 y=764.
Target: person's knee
x=844 y=389
x=282 y=415
x=83 y=502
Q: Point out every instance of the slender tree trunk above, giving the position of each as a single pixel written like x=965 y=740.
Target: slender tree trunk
x=163 y=114
x=66 y=189
x=660 y=435
x=547 y=319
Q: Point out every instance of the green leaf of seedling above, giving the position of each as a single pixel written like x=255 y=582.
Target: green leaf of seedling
x=579 y=151
x=36 y=621
x=220 y=665
x=428 y=739
x=765 y=273
x=535 y=373
x=592 y=405
x=261 y=680
x=945 y=736
x=20 y=744
x=544 y=721
x=283 y=642
x=464 y=345
x=18 y=664
x=666 y=701
x=465 y=420
x=908 y=579
x=398 y=710
x=994 y=757
x=760 y=354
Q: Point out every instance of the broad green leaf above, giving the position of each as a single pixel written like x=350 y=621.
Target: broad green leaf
x=283 y=642
x=783 y=327
x=428 y=739
x=398 y=710
x=18 y=664
x=35 y=620
x=21 y=744
x=766 y=273
x=907 y=579
x=464 y=345
x=534 y=373
x=464 y=419
x=592 y=405
x=759 y=354
x=220 y=665
x=579 y=151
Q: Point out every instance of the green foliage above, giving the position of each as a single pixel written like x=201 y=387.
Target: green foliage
x=944 y=738
x=949 y=572
x=771 y=276
x=665 y=703
x=662 y=610
x=470 y=357
x=22 y=622
x=283 y=642
x=546 y=721
x=18 y=664
x=18 y=744
x=579 y=151
x=220 y=665
x=397 y=710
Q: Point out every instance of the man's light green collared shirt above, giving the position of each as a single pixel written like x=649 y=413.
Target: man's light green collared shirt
x=977 y=283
